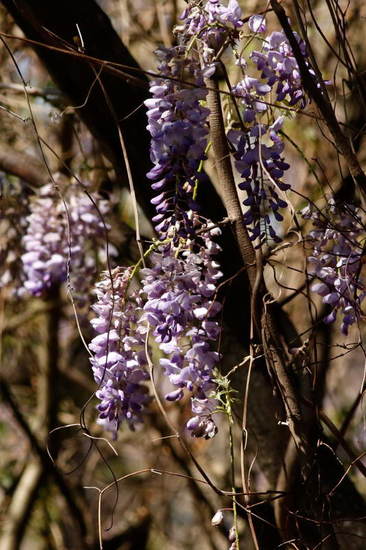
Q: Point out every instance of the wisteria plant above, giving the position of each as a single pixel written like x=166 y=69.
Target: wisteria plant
x=199 y=326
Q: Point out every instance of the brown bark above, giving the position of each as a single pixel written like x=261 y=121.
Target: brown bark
x=23 y=166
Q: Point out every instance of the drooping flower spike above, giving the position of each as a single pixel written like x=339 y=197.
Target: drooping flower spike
x=259 y=148
x=119 y=362
x=260 y=163
x=61 y=241
x=336 y=260
x=178 y=128
x=181 y=309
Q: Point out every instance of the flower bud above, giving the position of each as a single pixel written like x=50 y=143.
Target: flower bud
x=217 y=518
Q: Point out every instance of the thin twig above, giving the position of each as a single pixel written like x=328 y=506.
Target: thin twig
x=322 y=101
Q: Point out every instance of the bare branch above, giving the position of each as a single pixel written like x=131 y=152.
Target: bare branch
x=22 y=165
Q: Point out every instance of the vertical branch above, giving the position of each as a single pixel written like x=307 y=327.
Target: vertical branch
x=299 y=452
x=21 y=505
x=26 y=492
x=47 y=466
x=39 y=465
x=226 y=179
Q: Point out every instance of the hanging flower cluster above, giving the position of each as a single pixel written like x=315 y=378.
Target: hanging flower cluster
x=178 y=307
x=177 y=120
x=258 y=149
x=259 y=161
x=119 y=361
x=336 y=260
x=181 y=310
x=177 y=124
x=61 y=241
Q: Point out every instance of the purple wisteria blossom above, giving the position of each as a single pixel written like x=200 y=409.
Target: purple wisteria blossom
x=177 y=120
x=177 y=124
x=181 y=310
x=59 y=240
x=211 y=24
x=336 y=260
x=259 y=148
x=259 y=160
x=119 y=363
x=44 y=242
x=257 y=23
x=278 y=66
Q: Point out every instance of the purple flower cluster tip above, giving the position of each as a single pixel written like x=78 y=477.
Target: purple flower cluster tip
x=119 y=360
x=59 y=239
x=259 y=160
x=181 y=309
x=177 y=124
x=336 y=260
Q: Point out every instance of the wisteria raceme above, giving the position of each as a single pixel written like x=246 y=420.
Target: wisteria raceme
x=278 y=66
x=211 y=24
x=57 y=240
x=177 y=120
x=119 y=361
x=260 y=163
x=181 y=309
x=44 y=240
x=258 y=149
x=177 y=124
x=336 y=260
